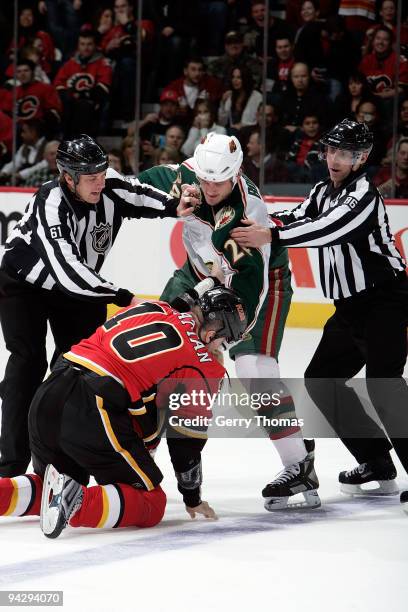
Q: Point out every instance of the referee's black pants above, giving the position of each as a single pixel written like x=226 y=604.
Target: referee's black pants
x=24 y=314
x=367 y=329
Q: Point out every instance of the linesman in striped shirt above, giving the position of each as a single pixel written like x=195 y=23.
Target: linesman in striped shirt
x=362 y=270
x=50 y=274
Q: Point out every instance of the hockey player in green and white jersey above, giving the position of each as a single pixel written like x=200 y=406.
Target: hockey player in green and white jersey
x=261 y=277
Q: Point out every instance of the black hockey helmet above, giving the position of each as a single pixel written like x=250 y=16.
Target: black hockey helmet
x=222 y=304
x=81 y=156
x=349 y=135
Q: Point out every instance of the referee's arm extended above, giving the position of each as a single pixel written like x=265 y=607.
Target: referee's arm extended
x=53 y=239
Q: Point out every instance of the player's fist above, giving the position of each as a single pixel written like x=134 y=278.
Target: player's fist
x=190 y=199
x=205 y=509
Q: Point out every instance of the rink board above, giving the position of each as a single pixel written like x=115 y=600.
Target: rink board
x=147 y=252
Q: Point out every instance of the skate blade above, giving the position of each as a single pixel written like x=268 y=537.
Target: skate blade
x=385 y=487
x=50 y=517
x=311 y=501
x=405 y=507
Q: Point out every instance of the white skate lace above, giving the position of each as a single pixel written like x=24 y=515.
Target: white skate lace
x=287 y=474
x=357 y=470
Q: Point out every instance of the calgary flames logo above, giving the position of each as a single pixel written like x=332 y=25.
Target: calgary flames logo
x=81 y=81
x=28 y=107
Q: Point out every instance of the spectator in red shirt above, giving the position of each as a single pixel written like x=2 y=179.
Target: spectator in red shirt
x=387 y=14
x=280 y=67
x=83 y=83
x=379 y=66
x=35 y=100
x=194 y=84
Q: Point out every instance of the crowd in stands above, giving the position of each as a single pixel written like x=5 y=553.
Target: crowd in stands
x=201 y=71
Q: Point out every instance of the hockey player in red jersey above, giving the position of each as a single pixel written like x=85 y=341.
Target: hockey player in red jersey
x=91 y=415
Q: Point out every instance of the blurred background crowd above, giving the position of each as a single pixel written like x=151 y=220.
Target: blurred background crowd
x=73 y=69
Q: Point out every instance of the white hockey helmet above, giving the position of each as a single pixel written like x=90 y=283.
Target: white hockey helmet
x=218 y=158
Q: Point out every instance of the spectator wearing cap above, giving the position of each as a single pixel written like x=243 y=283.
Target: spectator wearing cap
x=193 y=85
x=154 y=125
x=235 y=56
x=83 y=84
x=203 y=124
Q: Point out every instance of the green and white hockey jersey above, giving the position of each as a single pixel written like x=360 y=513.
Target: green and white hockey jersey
x=206 y=235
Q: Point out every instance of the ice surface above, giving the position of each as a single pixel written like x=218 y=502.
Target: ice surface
x=350 y=555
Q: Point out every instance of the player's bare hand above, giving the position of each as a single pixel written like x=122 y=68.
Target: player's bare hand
x=205 y=509
x=189 y=200
x=253 y=235
x=217 y=272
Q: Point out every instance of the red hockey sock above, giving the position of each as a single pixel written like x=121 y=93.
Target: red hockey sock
x=21 y=495
x=120 y=505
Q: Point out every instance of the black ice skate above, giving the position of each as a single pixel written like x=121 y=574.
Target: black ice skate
x=61 y=497
x=404 y=501
x=297 y=478
x=380 y=471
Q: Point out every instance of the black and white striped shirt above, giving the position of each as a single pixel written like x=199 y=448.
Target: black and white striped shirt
x=350 y=227
x=61 y=242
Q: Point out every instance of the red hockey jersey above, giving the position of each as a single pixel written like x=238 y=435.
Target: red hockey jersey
x=151 y=346
x=381 y=74
x=78 y=76
x=34 y=101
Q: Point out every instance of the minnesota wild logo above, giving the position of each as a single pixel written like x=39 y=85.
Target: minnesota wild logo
x=224 y=216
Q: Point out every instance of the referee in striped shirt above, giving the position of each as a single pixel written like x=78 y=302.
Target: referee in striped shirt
x=362 y=270
x=50 y=273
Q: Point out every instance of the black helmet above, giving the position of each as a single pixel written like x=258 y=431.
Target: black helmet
x=349 y=135
x=222 y=304
x=81 y=156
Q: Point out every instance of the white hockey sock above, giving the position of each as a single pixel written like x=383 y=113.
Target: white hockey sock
x=291 y=449
x=256 y=366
